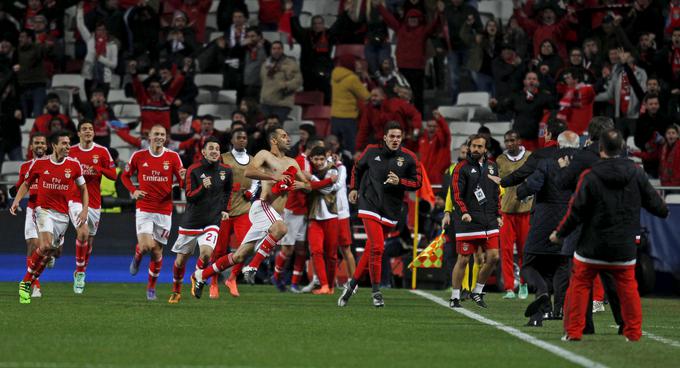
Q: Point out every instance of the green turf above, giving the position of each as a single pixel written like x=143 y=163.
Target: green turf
x=112 y=325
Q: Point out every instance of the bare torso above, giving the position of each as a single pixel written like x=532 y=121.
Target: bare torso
x=276 y=166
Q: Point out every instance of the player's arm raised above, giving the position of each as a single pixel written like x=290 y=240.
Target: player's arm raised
x=254 y=171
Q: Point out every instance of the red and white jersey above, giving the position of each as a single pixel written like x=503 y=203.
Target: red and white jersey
x=154 y=174
x=93 y=162
x=33 y=189
x=56 y=182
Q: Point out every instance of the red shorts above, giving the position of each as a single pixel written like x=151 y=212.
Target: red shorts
x=468 y=247
x=344 y=233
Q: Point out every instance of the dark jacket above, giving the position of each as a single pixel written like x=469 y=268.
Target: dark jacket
x=315 y=49
x=455 y=18
x=550 y=204
x=205 y=205
x=607 y=203
x=528 y=112
x=378 y=200
x=467 y=177
x=507 y=78
x=583 y=159
x=519 y=175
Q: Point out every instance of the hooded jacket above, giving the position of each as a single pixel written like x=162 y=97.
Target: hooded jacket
x=412 y=41
x=607 y=203
x=347 y=93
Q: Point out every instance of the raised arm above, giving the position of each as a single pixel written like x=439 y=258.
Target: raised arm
x=80 y=23
x=389 y=19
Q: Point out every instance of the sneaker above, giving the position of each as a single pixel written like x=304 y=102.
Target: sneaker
x=308 y=289
x=322 y=290
x=25 y=292
x=78 y=282
x=535 y=323
x=249 y=274
x=278 y=283
x=523 y=291
x=295 y=289
x=233 y=288
x=51 y=262
x=175 y=298
x=151 y=294
x=535 y=306
x=197 y=284
x=464 y=295
x=455 y=303
x=344 y=297
x=479 y=299
x=36 y=293
x=378 y=301
x=134 y=267
x=598 y=306
x=356 y=288
x=509 y=295
x=569 y=338
x=214 y=291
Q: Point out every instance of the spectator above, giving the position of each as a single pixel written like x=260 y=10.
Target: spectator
x=250 y=109
x=306 y=131
x=456 y=14
x=388 y=77
x=377 y=46
x=652 y=121
x=592 y=58
x=548 y=62
x=180 y=40
x=43 y=36
x=154 y=102
x=257 y=51
x=107 y=12
x=143 y=28
x=576 y=104
x=666 y=157
x=667 y=63
x=270 y=12
x=412 y=34
x=281 y=78
x=98 y=111
x=645 y=17
x=188 y=91
x=187 y=125
x=332 y=143
x=32 y=77
x=361 y=71
x=493 y=146
x=434 y=148
x=259 y=141
x=484 y=47
x=548 y=28
x=11 y=119
x=43 y=122
x=347 y=96
x=8 y=56
x=195 y=13
x=226 y=10
x=645 y=52
x=507 y=71
x=193 y=145
x=515 y=36
x=102 y=55
x=576 y=62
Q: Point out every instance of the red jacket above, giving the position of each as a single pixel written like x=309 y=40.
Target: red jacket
x=373 y=119
x=270 y=11
x=156 y=111
x=412 y=41
x=668 y=158
x=539 y=32
x=435 y=151
x=577 y=107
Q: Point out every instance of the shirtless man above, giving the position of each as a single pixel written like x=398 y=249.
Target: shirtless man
x=279 y=174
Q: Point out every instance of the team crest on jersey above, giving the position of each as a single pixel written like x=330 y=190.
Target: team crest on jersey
x=67 y=173
x=400 y=161
x=491 y=170
x=95 y=159
x=166 y=165
x=465 y=247
x=223 y=175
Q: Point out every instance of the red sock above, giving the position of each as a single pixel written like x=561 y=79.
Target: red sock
x=81 y=254
x=280 y=264
x=177 y=278
x=199 y=264
x=374 y=231
x=138 y=254
x=235 y=271
x=36 y=265
x=268 y=243
x=298 y=266
x=220 y=265
x=88 y=254
x=363 y=262
x=154 y=272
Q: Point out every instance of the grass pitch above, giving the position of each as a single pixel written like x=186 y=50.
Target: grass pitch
x=112 y=325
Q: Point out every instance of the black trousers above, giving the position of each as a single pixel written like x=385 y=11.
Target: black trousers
x=539 y=270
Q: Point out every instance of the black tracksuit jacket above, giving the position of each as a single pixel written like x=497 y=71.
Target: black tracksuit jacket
x=205 y=205
x=467 y=176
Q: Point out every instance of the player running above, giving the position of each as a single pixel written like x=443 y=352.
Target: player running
x=95 y=160
x=155 y=168
x=56 y=176
x=37 y=146
x=381 y=175
x=208 y=185
x=279 y=174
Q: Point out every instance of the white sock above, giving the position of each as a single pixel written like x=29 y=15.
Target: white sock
x=478 y=288
x=455 y=294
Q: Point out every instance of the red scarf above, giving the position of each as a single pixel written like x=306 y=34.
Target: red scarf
x=624 y=97
x=100 y=45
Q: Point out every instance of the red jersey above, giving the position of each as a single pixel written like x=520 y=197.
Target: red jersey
x=33 y=189
x=56 y=182
x=154 y=174
x=93 y=162
x=297 y=199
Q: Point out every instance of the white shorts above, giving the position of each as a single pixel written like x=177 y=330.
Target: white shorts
x=155 y=224
x=189 y=238
x=53 y=222
x=93 y=216
x=261 y=216
x=297 y=228
x=30 y=227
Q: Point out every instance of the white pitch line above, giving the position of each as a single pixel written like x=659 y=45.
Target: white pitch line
x=554 y=349
x=661 y=339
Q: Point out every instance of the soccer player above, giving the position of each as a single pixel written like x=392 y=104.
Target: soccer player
x=280 y=174
x=95 y=160
x=208 y=185
x=38 y=146
x=344 y=228
x=155 y=168
x=57 y=176
x=380 y=177
x=323 y=221
x=238 y=223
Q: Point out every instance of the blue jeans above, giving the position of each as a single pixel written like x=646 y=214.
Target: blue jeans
x=456 y=61
x=375 y=54
x=483 y=82
x=280 y=111
x=33 y=101
x=346 y=131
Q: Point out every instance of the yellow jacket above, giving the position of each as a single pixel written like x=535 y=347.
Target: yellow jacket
x=347 y=93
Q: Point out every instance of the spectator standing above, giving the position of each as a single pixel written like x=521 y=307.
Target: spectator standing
x=456 y=14
x=484 y=47
x=101 y=58
x=269 y=14
x=548 y=28
x=98 y=111
x=434 y=148
x=388 y=77
x=11 y=119
x=196 y=13
x=649 y=131
x=576 y=104
x=666 y=157
x=281 y=78
x=154 y=102
x=348 y=93
x=107 y=12
x=53 y=111
x=306 y=131
x=32 y=77
x=226 y=10
x=508 y=71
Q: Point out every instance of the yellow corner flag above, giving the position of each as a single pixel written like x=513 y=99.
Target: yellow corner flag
x=431 y=257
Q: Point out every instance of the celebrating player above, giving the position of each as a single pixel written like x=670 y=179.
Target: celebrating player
x=279 y=173
x=155 y=168
x=95 y=160
x=344 y=229
x=208 y=187
x=56 y=176
x=38 y=147
x=380 y=177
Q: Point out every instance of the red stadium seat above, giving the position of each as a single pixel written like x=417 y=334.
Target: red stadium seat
x=321 y=116
x=309 y=98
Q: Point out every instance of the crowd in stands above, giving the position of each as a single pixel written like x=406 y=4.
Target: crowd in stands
x=352 y=71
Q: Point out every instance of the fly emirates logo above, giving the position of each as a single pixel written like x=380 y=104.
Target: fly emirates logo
x=55 y=184
x=156 y=176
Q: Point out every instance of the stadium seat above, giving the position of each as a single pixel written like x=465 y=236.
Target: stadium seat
x=117 y=96
x=10 y=167
x=293 y=51
x=272 y=36
x=213 y=6
x=655 y=182
x=223 y=125
x=253 y=6
x=499 y=127
x=473 y=99
x=128 y=111
x=208 y=81
x=292 y=126
x=215 y=35
x=117 y=141
x=505 y=11
x=227 y=96
x=205 y=96
x=295 y=113
x=124 y=153
x=220 y=111
x=490 y=7
x=309 y=98
x=68 y=81
x=465 y=129
x=28 y=125
x=321 y=116
x=457 y=141
x=673 y=198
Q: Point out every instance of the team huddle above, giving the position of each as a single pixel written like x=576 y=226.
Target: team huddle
x=233 y=199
